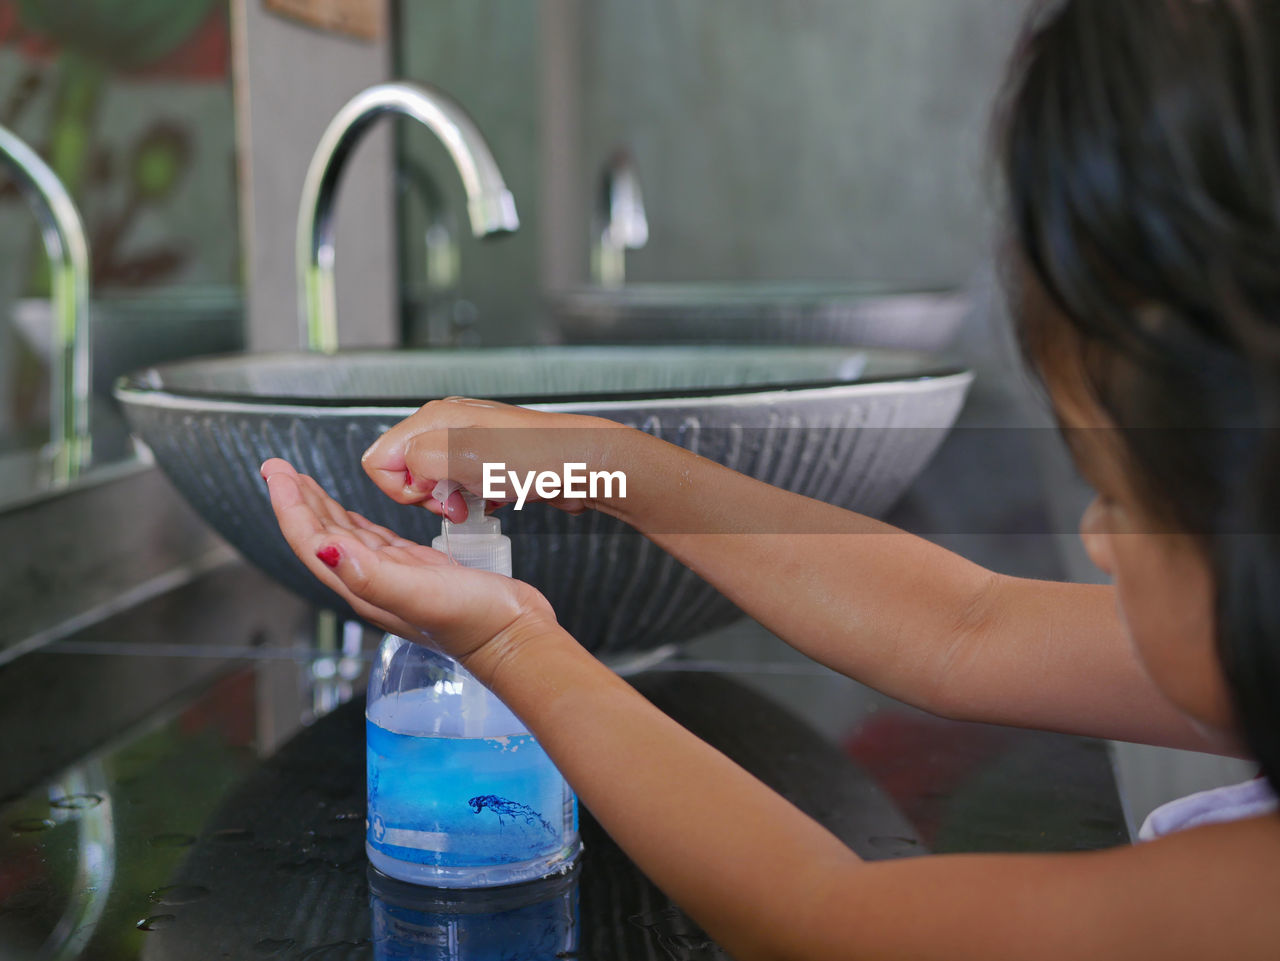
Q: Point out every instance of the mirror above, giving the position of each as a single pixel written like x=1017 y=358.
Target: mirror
x=829 y=146
x=131 y=107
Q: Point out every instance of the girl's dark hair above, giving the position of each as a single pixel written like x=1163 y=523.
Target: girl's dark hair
x=1140 y=147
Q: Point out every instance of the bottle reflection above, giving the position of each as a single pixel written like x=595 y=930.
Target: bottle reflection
x=537 y=921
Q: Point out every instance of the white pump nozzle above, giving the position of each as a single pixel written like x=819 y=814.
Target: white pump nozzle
x=478 y=541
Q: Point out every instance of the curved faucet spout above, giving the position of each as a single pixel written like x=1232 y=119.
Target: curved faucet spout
x=621 y=222
x=491 y=208
x=62 y=231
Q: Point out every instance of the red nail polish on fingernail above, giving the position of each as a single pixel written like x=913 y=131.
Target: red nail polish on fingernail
x=329 y=555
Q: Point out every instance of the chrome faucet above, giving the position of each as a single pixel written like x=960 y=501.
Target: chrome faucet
x=490 y=206
x=620 y=224
x=62 y=231
x=435 y=314
x=439 y=240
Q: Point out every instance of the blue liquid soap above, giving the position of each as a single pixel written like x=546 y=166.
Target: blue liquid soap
x=460 y=794
x=457 y=800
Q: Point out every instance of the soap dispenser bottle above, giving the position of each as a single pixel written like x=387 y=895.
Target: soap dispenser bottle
x=460 y=794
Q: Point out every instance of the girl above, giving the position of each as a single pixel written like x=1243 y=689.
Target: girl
x=1142 y=154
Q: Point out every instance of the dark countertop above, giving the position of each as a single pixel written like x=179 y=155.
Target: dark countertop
x=163 y=799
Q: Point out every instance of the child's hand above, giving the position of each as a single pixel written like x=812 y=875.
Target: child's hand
x=453 y=438
x=405 y=588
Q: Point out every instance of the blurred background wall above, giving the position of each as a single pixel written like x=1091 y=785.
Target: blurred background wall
x=815 y=140
x=131 y=105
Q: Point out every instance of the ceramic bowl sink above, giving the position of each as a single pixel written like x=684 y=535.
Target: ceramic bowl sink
x=759 y=313
x=849 y=426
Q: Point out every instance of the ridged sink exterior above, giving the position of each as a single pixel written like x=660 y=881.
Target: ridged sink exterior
x=853 y=443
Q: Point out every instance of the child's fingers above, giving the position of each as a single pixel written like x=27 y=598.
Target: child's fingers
x=297 y=519
x=414 y=551
x=388 y=451
x=358 y=563
x=276 y=465
x=396 y=583
x=359 y=520
x=308 y=535
x=387 y=580
x=316 y=545
x=323 y=504
x=413 y=555
x=328 y=512
x=421 y=491
x=369 y=539
x=404 y=461
x=421 y=554
x=454 y=508
x=303 y=515
x=418 y=486
x=339 y=518
x=426 y=454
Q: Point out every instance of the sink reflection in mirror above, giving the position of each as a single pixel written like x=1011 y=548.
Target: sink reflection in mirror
x=129 y=331
x=134 y=118
x=861 y=315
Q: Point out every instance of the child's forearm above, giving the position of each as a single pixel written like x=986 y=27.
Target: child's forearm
x=894 y=611
x=865 y=598
x=740 y=859
x=767 y=882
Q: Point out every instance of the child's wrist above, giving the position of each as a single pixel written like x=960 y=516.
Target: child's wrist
x=500 y=659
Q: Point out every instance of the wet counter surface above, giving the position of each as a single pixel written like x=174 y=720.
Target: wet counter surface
x=224 y=817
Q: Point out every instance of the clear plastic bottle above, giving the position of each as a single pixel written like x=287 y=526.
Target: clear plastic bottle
x=460 y=794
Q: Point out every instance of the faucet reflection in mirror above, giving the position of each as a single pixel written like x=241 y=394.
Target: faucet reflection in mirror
x=439 y=243
x=62 y=231
x=490 y=206
x=621 y=223
x=433 y=311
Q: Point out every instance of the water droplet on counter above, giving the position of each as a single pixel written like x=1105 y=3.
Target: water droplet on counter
x=156 y=922
x=175 y=894
x=77 y=802
x=30 y=825
x=269 y=946
x=349 y=816
x=171 y=840
x=233 y=835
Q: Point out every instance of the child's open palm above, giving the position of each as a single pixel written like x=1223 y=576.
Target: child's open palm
x=410 y=590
